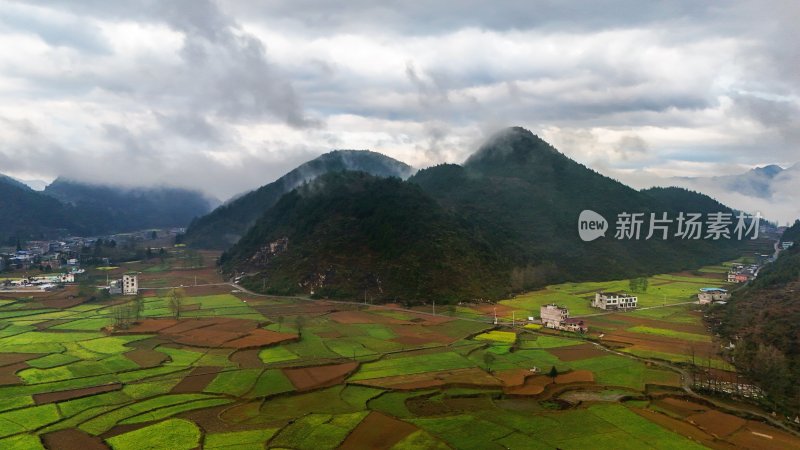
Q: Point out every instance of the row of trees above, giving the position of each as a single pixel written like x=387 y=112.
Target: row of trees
x=126 y=314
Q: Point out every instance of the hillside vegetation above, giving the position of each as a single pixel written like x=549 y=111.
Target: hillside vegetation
x=351 y=234
x=761 y=320
x=503 y=222
x=228 y=223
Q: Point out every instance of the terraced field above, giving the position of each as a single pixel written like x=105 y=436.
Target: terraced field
x=243 y=371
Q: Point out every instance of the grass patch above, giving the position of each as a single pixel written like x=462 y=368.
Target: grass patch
x=174 y=434
x=504 y=337
x=411 y=364
x=271 y=355
x=670 y=333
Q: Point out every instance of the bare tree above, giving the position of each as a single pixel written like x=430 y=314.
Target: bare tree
x=175 y=302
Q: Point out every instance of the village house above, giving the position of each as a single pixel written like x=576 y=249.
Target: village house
x=557 y=318
x=613 y=301
x=711 y=295
x=741 y=273
x=130 y=284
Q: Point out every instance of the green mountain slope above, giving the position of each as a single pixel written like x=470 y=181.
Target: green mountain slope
x=511 y=211
x=761 y=319
x=351 y=234
x=525 y=197
x=225 y=225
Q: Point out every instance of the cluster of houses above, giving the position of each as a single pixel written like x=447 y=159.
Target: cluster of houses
x=54 y=254
x=742 y=273
x=42 y=282
x=127 y=285
x=557 y=317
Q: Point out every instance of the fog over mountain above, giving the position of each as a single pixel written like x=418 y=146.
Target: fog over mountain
x=771 y=189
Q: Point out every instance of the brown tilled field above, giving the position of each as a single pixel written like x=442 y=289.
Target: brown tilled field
x=378 y=432
x=577 y=352
x=307 y=378
x=60 y=396
x=197 y=380
x=73 y=439
x=216 y=332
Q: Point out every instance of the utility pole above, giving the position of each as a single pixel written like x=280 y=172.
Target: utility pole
x=513 y=318
x=365 y=300
x=495 y=315
x=434 y=307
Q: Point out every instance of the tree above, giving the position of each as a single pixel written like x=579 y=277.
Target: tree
x=175 y=302
x=153 y=235
x=138 y=303
x=488 y=359
x=280 y=322
x=553 y=373
x=639 y=284
x=299 y=323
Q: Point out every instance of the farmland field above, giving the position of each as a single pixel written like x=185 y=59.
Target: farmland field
x=237 y=370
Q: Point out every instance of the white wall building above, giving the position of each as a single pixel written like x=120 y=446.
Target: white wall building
x=130 y=284
x=711 y=295
x=553 y=316
x=612 y=301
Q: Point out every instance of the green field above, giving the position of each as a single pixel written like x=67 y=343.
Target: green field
x=662 y=289
x=147 y=391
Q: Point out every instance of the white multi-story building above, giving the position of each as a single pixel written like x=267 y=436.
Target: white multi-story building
x=611 y=300
x=553 y=316
x=130 y=284
x=557 y=318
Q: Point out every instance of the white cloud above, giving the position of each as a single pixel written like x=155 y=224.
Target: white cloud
x=227 y=96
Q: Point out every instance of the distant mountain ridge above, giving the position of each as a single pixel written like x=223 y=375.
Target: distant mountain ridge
x=512 y=208
x=80 y=208
x=758 y=182
x=114 y=208
x=27 y=214
x=225 y=225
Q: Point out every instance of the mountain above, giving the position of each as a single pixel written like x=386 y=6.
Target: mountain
x=107 y=209
x=761 y=320
x=27 y=214
x=524 y=197
x=511 y=210
x=350 y=234
x=757 y=182
x=792 y=234
x=225 y=225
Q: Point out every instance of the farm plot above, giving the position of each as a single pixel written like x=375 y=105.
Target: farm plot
x=236 y=374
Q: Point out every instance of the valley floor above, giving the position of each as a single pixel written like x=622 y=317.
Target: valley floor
x=239 y=370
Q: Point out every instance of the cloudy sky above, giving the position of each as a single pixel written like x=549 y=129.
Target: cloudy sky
x=226 y=96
